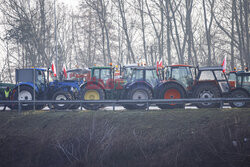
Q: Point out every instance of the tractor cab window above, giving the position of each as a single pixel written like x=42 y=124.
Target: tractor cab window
x=220 y=75
x=137 y=75
x=151 y=77
x=105 y=75
x=96 y=74
x=182 y=74
x=221 y=78
x=232 y=77
x=40 y=77
x=206 y=75
x=126 y=72
x=246 y=82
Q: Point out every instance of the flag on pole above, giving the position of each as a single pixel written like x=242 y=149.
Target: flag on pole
x=64 y=71
x=53 y=68
x=224 y=63
x=160 y=63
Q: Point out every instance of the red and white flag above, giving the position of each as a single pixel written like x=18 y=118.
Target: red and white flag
x=64 y=71
x=224 y=63
x=160 y=63
x=53 y=67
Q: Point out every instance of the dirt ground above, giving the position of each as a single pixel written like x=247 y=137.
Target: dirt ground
x=156 y=138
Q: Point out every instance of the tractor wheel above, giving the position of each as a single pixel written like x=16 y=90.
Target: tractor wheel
x=26 y=93
x=61 y=95
x=74 y=106
x=92 y=94
x=171 y=91
x=207 y=91
x=239 y=94
x=138 y=93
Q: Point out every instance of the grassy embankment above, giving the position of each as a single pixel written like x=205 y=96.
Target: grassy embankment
x=173 y=138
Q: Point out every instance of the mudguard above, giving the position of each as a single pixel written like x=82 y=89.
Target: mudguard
x=137 y=83
x=30 y=84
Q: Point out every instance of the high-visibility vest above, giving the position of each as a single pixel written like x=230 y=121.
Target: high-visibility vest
x=7 y=93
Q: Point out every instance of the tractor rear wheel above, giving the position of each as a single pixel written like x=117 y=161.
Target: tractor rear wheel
x=92 y=94
x=239 y=94
x=138 y=93
x=61 y=95
x=25 y=93
x=207 y=91
x=171 y=91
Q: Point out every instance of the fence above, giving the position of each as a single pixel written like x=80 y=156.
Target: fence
x=121 y=102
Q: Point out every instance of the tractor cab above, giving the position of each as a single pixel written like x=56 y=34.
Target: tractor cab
x=126 y=70
x=34 y=77
x=213 y=75
x=243 y=80
x=140 y=74
x=241 y=87
x=80 y=75
x=185 y=74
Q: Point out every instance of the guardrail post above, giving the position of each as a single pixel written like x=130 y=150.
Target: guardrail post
x=19 y=106
x=221 y=104
x=81 y=105
x=113 y=106
x=147 y=106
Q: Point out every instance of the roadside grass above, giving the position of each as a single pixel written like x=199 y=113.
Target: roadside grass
x=167 y=138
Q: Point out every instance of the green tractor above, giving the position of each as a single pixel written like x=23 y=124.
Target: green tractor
x=240 y=84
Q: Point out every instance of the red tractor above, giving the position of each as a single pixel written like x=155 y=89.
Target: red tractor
x=184 y=81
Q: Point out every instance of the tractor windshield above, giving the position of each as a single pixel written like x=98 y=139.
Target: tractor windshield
x=103 y=74
x=182 y=74
x=137 y=75
x=232 y=77
x=151 y=77
x=41 y=81
x=126 y=72
x=246 y=82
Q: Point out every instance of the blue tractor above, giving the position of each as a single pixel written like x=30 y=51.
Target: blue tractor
x=34 y=83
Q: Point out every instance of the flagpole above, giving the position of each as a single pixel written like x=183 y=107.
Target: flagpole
x=56 y=36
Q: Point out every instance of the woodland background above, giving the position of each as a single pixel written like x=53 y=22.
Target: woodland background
x=195 y=32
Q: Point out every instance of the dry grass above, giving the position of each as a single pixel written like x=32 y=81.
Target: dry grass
x=174 y=138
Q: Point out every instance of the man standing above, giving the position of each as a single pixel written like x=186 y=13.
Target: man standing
x=6 y=96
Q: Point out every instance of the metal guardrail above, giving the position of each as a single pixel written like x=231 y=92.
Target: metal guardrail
x=121 y=102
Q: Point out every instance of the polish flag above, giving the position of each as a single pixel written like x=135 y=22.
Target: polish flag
x=53 y=67
x=224 y=63
x=64 y=71
x=160 y=63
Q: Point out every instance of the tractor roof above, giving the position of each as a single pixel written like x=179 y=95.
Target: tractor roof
x=215 y=68
x=131 y=65
x=144 y=68
x=101 y=67
x=78 y=70
x=181 y=65
x=243 y=73
x=39 y=69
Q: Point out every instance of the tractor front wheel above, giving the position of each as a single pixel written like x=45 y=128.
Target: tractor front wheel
x=171 y=91
x=61 y=95
x=92 y=94
x=138 y=93
x=239 y=94
x=207 y=91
